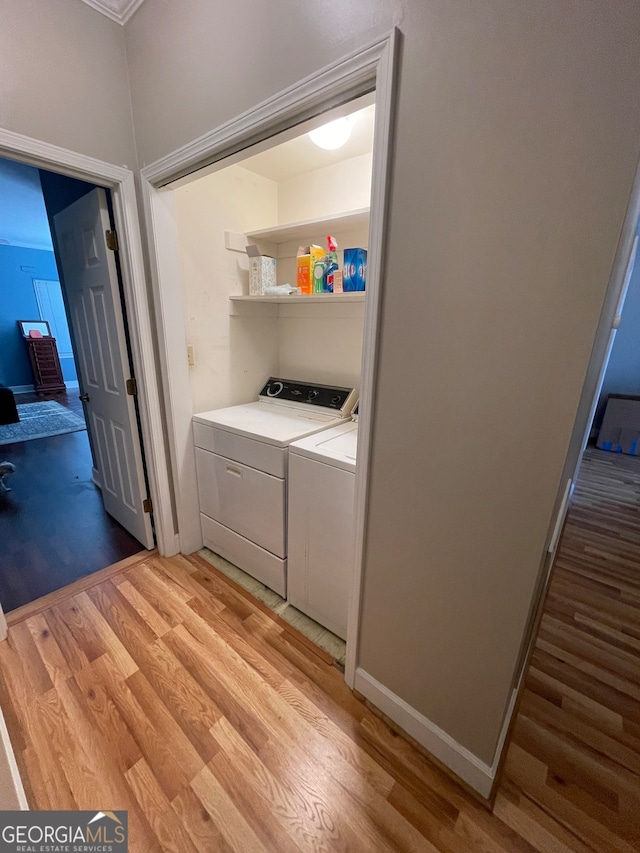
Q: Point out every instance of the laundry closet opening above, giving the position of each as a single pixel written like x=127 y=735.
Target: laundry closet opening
x=276 y=477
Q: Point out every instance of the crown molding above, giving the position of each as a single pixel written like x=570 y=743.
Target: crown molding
x=105 y=7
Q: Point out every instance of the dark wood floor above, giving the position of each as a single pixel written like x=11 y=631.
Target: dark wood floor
x=575 y=752
x=53 y=527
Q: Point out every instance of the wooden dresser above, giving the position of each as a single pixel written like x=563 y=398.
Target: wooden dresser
x=43 y=355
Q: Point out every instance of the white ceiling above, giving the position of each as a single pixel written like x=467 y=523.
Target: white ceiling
x=300 y=155
x=117 y=10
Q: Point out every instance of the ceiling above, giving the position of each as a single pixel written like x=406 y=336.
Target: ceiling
x=300 y=155
x=118 y=10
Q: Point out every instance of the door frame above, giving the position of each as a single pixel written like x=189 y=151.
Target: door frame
x=371 y=67
x=120 y=181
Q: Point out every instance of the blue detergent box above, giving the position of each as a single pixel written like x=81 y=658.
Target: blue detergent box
x=354 y=270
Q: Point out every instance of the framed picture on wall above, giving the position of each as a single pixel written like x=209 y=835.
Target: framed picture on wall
x=40 y=328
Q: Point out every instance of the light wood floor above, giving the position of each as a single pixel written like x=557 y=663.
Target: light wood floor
x=164 y=692
x=575 y=752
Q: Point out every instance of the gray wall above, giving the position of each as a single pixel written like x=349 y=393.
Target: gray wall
x=63 y=78
x=518 y=135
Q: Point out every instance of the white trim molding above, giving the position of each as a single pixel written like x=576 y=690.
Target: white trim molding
x=12 y=795
x=386 y=75
x=353 y=75
x=120 y=12
x=442 y=746
x=371 y=67
x=120 y=181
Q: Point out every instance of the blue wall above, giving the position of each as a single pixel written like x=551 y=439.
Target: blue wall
x=18 y=268
x=623 y=370
x=23 y=219
x=59 y=192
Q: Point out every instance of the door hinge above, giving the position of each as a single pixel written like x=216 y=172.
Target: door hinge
x=132 y=387
x=147 y=506
x=112 y=240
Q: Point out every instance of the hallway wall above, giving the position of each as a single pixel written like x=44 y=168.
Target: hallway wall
x=515 y=151
x=64 y=78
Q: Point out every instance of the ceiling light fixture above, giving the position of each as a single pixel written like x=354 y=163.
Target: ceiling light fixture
x=332 y=135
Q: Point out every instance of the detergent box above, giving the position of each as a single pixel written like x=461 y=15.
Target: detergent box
x=354 y=270
x=306 y=259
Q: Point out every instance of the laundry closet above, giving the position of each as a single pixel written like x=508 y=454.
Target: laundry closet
x=288 y=195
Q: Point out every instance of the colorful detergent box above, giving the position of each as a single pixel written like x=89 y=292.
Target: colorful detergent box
x=354 y=270
x=305 y=261
x=262 y=271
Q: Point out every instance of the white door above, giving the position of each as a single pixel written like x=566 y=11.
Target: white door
x=97 y=323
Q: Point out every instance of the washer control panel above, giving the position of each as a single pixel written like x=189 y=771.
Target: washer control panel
x=287 y=391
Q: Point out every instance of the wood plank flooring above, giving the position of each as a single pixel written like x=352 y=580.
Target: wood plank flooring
x=53 y=526
x=163 y=691
x=575 y=751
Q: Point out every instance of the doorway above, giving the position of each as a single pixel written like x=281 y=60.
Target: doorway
x=53 y=523
x=372 y=70
x=575 y=748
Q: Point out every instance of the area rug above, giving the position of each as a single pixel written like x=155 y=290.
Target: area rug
x=40 y=420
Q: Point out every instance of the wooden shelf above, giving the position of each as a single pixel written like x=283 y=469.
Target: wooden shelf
x=313 y=229
x=355 y=296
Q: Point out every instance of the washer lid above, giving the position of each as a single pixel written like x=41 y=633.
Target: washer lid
x=273 y=424
x=336 y=446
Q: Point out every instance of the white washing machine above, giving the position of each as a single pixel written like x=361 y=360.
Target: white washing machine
x=242 y=463
x=321 y=515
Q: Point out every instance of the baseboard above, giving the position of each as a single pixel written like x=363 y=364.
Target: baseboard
x=72 y=385
x=442 y=746
x=12 y=795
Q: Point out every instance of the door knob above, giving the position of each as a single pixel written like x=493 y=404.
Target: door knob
x=84 y=398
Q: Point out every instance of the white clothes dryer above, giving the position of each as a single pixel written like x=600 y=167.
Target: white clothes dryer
x=321 y=515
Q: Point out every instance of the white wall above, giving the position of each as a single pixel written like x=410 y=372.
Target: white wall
x=233 y=355
x=321 y=343
x=63 y=78
x=333 y=189
x=515 y=149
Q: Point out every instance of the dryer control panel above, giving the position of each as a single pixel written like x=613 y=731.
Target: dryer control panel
x=322 y=397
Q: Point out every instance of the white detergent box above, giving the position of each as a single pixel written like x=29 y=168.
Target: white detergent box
x=262 y=271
